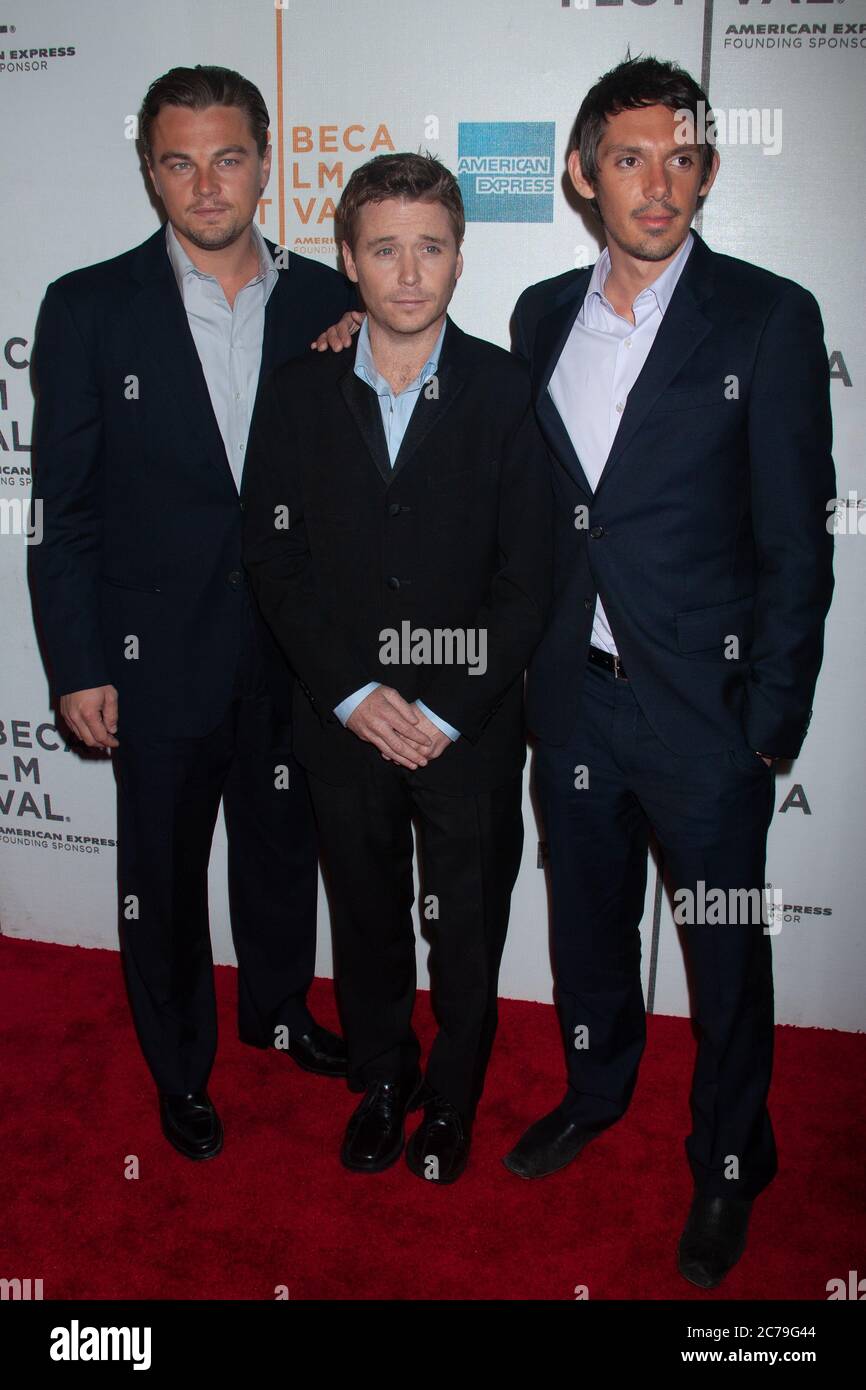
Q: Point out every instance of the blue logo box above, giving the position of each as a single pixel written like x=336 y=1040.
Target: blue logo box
x=505 y=170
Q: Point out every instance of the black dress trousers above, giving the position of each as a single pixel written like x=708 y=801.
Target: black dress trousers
x=469 y=855
x=600 y=793
x=169 y=791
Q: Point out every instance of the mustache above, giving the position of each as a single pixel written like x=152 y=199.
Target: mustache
x=661 y=208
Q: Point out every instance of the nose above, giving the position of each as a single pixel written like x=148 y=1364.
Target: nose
x=205 y=183
x=408 y=273
x=657 y=181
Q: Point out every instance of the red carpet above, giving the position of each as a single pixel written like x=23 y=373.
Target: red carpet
x=276 y=1207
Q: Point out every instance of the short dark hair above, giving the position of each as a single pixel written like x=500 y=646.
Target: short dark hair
x=633 y=83
x=198 y=88
x=420 y=177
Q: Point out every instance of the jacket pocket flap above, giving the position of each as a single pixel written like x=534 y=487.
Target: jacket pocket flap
x=703 y=629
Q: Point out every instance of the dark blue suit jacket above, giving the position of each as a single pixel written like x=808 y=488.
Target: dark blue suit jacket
x=141 y=515
x=709 y=521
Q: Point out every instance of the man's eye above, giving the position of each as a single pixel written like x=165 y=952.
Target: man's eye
x=181 y=164
x=688 y=161
x=437 y=249
x=228 y=160
x=628 y=159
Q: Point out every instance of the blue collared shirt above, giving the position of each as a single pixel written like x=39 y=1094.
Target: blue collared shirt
x=396 y=414
x=600 y=363
x=228 y=339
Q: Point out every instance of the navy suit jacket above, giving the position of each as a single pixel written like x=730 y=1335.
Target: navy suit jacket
x=709 y=521
x=141 y=515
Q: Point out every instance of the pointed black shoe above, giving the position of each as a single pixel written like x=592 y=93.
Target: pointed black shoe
x=375 y=1133
x=713 y=1240
x=439 y=1148
x=548 y=1145
x=318 y=1050
x=191 y=1124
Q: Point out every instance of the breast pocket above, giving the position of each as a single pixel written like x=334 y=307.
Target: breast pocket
x=454 y=479
x=707 y=397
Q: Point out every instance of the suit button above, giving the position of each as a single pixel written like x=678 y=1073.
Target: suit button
x=395 y=509
x=597 y=532
x=393 y=583
x=243 y=505
x=587 y=603
x=234 y=579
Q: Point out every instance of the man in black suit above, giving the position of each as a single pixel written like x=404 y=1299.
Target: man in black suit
x=684 y=396
x=397 y=536
x=147 y=369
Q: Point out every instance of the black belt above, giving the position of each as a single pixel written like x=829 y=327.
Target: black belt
x=608 y=662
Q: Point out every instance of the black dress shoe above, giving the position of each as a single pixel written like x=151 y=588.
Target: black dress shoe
x=439 y=1148
x=548 y=1145
x=319 y=1051
x=375 y=1132
x=713 y=1240
x=191 y=1124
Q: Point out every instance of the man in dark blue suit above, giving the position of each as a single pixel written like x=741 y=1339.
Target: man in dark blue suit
x=147 y=371
x=684 y=396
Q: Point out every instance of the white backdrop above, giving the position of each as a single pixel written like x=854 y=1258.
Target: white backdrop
x=464 y=78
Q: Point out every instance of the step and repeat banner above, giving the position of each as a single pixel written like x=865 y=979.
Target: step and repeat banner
x=492 y=87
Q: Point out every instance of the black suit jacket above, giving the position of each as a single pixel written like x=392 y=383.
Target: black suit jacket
x=709 y=519
x=455 y=536
x=141 y=515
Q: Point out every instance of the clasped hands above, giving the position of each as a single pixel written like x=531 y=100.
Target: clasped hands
x=402 y=732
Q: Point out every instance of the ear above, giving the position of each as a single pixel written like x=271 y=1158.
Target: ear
x=266 y=167
x=349 y=262
x=711 y=176
x=576 y=174
x=152 y=176
x=458 y=269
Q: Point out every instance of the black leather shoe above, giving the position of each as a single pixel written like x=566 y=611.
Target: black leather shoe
x=713 y=1240
x=439 y=1148
x=375 y=1133
x=319 y=1051
x=191 y=1124
x=548 y=1145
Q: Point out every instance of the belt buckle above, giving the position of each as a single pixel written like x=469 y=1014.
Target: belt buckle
x=617 y=667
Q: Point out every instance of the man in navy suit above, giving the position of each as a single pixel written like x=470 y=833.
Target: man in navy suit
x=684 y=396
x=147 y=371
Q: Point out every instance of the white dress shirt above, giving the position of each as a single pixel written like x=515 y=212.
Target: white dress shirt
x=228 y=339
x=599 y=364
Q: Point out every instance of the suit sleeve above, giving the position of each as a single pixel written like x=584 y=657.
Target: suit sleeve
x=67 y=464
x=792 y=481
x=317 y=643
x=514 y=616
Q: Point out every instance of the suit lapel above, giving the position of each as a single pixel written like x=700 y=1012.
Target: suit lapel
x=169 y=344
x=363 y=404
x=551 y=335
x=427 y=412
x=681 y=331
x=276 y=320
x=430 y=408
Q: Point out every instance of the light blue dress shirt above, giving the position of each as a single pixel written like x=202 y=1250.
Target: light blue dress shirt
x=396 y=414
x=600 y=363
x=228 y=339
